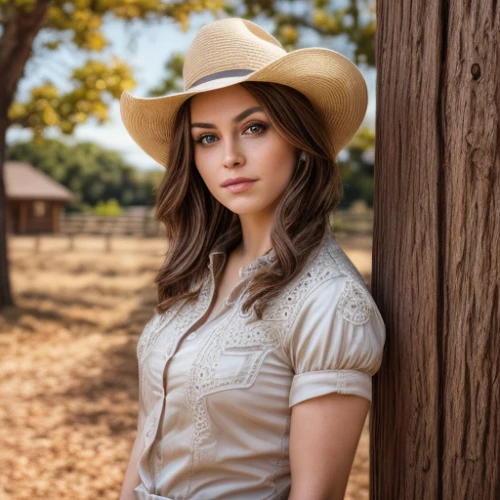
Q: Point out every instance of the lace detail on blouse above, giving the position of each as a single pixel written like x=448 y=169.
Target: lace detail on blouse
x=258 y=263
x=152 y=330
x=248 y=345
x=354 y=303
x=285 y=308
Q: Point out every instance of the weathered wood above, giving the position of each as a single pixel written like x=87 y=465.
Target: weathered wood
x=471 y=260
x=434 y=422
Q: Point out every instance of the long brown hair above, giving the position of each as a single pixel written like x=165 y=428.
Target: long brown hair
x=195 y=221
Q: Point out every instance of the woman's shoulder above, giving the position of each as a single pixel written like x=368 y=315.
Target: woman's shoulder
x=330 y=261
x=329 y=269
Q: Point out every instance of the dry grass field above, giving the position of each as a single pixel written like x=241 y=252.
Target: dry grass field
x=68 y=367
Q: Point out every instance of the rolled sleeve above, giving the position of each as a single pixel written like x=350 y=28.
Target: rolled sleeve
x=336 y=342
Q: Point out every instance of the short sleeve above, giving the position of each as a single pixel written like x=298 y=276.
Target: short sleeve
x=336 y=341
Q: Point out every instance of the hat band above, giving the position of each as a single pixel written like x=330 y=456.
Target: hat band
x=221 y=74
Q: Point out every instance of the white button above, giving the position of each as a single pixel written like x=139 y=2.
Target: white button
x=191 y=336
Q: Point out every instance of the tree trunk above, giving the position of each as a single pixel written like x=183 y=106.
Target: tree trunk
x=19 y=31
x=435 y=426
x=5 y=290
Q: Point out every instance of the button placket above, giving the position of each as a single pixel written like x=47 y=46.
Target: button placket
x=154 y=433
x=158 y=459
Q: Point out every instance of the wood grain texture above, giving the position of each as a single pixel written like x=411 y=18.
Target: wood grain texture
x=470 y=239
x=436 y=251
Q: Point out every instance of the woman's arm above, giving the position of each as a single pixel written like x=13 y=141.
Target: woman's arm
x=324 y=435
x=132 y=479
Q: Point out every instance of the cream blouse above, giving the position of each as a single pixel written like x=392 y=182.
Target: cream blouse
x=215 y=404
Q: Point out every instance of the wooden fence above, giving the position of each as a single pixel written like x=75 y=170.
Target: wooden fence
x=343 y=221
x=124 y=225
x=145 y=226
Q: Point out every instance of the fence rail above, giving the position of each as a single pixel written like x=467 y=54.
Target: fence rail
x=346 y=221
x=135 y=225
x=343 y=221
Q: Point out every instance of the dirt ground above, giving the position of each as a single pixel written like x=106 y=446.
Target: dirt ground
x=68 y=397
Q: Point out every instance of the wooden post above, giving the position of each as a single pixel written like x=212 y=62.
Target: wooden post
x=55 y=214
x=434 y=422
x=6 y=297
x=23 y=216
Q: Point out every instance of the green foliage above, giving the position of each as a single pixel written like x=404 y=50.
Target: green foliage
x=357 y=169
x=173 y=80
x=110 y=208
x=93 y=173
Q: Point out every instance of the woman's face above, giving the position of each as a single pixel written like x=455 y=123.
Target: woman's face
x=233 y=137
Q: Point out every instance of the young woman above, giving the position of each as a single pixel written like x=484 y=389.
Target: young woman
x=255 y=369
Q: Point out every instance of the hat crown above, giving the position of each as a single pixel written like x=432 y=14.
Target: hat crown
x=227 y=48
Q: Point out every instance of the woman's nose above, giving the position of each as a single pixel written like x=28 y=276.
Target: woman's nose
x=233 y=154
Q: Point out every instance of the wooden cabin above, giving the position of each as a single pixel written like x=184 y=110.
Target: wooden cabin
x=34 y=200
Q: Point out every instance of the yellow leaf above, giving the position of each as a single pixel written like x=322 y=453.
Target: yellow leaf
x=289 y=34
x=26 y=5
x=49 y=116
x=79 y=117
x=128 y=84
x=17 y=111
x=100 y=84
x=332 y=24
x=96 y=41
x=66 y=127
x=320 y=17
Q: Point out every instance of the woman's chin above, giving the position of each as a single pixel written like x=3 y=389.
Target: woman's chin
x=244 y=204
x=239 y=205
x=247 y=208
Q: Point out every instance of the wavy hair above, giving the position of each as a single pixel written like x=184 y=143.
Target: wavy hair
x=195 y=221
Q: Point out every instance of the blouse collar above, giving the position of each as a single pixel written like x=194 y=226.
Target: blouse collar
x=218 y=257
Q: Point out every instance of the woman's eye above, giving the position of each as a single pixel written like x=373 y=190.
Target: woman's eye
x=260 y=126
x=202 y=141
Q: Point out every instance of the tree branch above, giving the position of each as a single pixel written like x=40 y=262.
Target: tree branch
x=16 y=47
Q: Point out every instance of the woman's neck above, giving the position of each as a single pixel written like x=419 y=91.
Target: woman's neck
x=256 y=236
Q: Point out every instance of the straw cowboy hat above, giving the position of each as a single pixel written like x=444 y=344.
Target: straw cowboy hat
x=233 y=50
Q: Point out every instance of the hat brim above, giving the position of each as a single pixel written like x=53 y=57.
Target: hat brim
x=333 y=84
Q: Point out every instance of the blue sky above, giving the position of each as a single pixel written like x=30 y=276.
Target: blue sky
x=145 y=48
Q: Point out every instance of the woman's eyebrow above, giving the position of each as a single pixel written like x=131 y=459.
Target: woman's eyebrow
x=236 y=119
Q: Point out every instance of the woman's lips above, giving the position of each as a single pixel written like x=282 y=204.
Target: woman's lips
x=240 y=186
